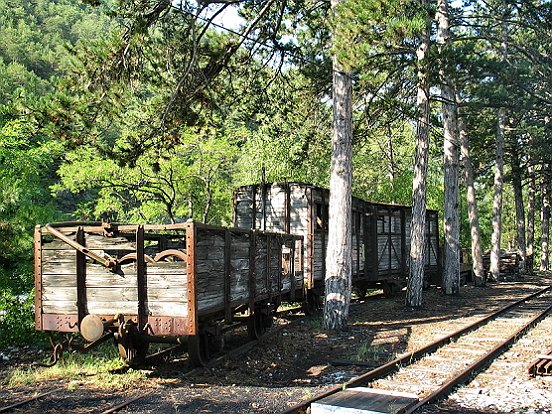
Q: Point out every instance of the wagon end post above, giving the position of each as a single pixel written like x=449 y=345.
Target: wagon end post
x=190 y=265
x=38 y=276
x=141 y=277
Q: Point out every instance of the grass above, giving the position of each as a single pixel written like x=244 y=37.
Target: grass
x=316 y=322
x=97 y=370
x=368 y=352
x=285 y=306
x=308 y=393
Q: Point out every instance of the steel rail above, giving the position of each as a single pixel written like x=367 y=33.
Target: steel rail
x=411 y=356
x=466 y=373
x=28 y=400
x=119 y=407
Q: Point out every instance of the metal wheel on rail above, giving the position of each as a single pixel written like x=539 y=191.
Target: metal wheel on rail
x=390 y=288
x=131 y=348
x=258 y=322
x=199 y=349
x=312 y=303
x=134 y=354
x=361 y=292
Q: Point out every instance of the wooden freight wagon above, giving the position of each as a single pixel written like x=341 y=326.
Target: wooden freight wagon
x=380 y=232
x=161 y=283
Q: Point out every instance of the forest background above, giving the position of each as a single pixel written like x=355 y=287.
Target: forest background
x=150 y=111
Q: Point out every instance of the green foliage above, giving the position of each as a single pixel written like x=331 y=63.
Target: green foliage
x=24 y=201
x=365 y=28
x=288 y=143
x=190 y=180
x=25 y=160
x=16 y=314
x=34 y=42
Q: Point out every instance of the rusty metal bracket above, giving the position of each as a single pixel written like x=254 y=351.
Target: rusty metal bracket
x=57 y=352
x=105 y=260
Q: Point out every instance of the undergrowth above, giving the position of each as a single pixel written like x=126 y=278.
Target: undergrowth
x=100 y=369
x=367 y=352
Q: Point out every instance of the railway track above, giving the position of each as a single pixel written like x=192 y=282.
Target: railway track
x=423 y=376
x=25 y=401
x=60 y=399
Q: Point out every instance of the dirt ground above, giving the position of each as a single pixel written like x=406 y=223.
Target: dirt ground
x=297 y=359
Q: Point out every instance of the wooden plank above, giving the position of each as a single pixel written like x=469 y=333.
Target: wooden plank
x=99 y=293
x=59 y=293
x=361 y=400
x=208 y=303
x=52 y=260
x=93 y=242
x=166 y=294
x=206 y=252
x=171 y=309
x=61 y=307
x=126 y=279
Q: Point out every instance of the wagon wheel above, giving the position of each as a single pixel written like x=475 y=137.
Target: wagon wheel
x=311 y=304
x=131 y=348
x=258 y=322
x=361 y=292
x=134 y=354
x=198 y=349
x=390 y=289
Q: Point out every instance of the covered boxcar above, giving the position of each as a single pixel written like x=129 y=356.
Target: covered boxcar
x=380 y=232
x=161 y=283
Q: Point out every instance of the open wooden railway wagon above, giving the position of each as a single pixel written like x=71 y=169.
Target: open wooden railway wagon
x=381 y=233
x=176 y=283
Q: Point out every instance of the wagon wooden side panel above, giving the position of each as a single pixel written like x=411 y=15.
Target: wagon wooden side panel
x=166 y=279
x=390 y=241
x=380 y=232
x=433 y=253
x=70 y=285
x=285 y=208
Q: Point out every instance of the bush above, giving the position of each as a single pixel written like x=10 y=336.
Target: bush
x=16 y=319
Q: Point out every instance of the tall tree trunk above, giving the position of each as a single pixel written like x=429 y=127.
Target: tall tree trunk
x=531 y=219
x=497 y=199
x=418 y=225
x=339 y=252
x=520 y=208
x=391 y=157
x=545 y=217
x=451 y=248
x=208 y=201
x=473 y=216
